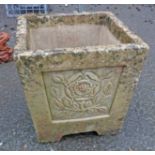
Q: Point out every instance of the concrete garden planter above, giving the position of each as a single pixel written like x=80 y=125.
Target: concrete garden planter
x=78 y=71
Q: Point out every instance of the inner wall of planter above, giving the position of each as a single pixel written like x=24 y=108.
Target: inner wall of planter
x=63 y=36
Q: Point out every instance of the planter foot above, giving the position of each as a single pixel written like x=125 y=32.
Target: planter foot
x=114 y=132
x=99 y=132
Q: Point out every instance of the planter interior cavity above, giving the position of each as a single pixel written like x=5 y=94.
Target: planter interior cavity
x=78 y=71
x=63 y=36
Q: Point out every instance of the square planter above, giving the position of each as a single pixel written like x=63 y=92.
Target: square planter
x=78 y=71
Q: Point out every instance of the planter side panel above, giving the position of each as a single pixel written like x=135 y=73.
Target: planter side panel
x=41 y=72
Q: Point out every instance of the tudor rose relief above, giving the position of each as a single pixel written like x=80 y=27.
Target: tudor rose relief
x=89 y=91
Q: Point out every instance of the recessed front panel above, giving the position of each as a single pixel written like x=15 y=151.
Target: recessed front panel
x=81 y=93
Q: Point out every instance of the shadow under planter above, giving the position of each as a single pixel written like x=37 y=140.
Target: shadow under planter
x=78 y=71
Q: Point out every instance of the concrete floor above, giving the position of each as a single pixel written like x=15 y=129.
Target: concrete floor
x=138 y=133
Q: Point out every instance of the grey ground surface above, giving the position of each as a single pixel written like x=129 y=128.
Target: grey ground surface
x=138 y=133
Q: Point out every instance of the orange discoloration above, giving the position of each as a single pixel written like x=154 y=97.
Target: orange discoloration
x=5 y=51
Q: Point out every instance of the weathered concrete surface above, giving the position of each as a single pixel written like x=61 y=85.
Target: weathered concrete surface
x=84 y=85
x=139 y=130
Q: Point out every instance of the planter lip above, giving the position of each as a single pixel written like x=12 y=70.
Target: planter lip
x=21 y=48
x=87 y=49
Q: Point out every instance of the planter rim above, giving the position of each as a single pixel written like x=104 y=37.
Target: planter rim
x=21 y=48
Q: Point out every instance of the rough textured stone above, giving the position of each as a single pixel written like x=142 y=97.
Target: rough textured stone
x=78 y=89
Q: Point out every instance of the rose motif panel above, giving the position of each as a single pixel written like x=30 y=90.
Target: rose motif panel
x=81 y=93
